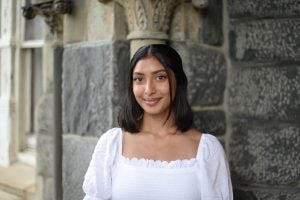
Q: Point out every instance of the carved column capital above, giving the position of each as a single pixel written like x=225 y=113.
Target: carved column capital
x=51 y=12
x=148 y=20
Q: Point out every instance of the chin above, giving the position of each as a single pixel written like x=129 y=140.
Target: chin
x=154 y=112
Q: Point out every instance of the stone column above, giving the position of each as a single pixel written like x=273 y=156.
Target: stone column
x=7 y=106
x=49 y=111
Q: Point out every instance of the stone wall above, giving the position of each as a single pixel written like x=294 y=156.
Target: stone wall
x=206 y=72
x=93 y=85
x=264 y=98
x=197 y=35
x=242 y=62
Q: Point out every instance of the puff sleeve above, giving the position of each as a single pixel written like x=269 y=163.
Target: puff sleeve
x=215 y=172
x=97 y=180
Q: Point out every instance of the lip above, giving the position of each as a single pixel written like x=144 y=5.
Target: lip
x=151 y=101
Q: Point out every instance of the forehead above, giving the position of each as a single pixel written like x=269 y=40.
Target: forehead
x=148 y=64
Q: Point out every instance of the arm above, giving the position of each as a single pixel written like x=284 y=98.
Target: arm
x=97 y=180
x=222 y=176
x=215 y=172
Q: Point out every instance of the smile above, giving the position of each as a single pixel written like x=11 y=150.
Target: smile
x=151 y=101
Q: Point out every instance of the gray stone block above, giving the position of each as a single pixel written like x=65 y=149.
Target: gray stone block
x=206 y=72
x=264 y=152
x=45 y=143
x=212 y=31
x=93 y=86
x=76 y=157
x=45 y=155
x=44 y=115
x=210 y=122
x=265 y=194
x=266 y=93
x=265 y=40
x=48 y=189
x=121 y=62
x=266 y=8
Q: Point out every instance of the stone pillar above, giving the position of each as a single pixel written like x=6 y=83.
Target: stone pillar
x=49 y=134
x=8 y=147
x=148 y=21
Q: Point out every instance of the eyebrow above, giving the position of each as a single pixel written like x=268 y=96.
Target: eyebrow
x=155 y=72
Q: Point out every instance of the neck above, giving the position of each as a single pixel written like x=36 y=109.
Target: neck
x=160 y=126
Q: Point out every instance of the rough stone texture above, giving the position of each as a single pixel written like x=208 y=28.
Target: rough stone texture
x=266 y=8
x=45 y=164
x=267 y=93
x=259 y=194
x=120 y=25
x=206 y=72
x=263 y=99
x=265 y=40
x=48 y=189
x=76 y=157
x=121 y=69
x=45 y=159
x=210 y=122
x=45 y=143
x=265 y=152
x=212 y=31
x=186 y=24
x=45 y=120
x=93 y=86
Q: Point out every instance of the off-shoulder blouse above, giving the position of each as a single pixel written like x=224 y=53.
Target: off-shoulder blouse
x=112 y=176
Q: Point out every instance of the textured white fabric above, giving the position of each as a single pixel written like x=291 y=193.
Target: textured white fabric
x=110 y=175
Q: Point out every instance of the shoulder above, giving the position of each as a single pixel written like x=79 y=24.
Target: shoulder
x=109 y=139
x=194 y=135
x=97 y=180
x=211 y=146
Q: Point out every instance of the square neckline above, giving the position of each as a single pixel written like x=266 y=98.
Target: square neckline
x=181 y=163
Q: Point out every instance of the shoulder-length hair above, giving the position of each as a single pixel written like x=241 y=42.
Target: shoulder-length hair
x=131 y=112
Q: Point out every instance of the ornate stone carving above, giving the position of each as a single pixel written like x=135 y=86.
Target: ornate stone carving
x=148 y=19
x=62 y=6
x=50 y=11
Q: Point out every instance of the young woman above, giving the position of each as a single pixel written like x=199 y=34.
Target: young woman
x=155 y=154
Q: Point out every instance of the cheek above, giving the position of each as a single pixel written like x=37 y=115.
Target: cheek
x=136 y=90
x=166 y=90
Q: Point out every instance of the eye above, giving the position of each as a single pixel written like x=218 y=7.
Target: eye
x=138 y=79
x=161 y=77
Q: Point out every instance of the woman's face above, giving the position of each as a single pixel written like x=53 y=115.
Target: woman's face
x=151 y=86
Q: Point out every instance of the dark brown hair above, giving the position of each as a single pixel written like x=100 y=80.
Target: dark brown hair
x=131 y=113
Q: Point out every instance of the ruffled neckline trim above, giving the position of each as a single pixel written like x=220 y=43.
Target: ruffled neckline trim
x=149 y=163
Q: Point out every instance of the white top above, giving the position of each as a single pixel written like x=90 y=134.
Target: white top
x=110 y=175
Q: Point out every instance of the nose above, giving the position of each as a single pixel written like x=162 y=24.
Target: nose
x=149 y=87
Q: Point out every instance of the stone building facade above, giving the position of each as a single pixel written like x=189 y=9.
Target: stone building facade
x=242 y=59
